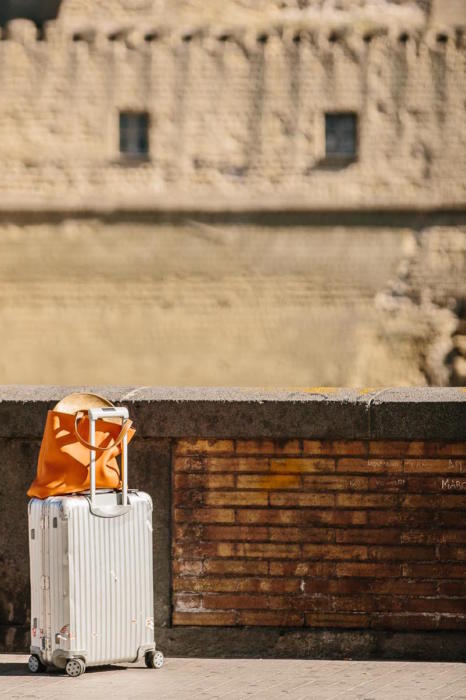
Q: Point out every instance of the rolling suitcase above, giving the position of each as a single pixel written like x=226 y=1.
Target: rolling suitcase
x=91 y=574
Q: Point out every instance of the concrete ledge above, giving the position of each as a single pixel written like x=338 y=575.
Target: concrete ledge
x=272 y=642
x=382 y=414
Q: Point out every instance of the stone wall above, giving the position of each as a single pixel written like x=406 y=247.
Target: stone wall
x=237 y=112
x=249 y=300
x=235 y=252
x=303 y=523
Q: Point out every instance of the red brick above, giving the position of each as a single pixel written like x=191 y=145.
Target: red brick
x=417 y=449
x=316 y=603
x=407 y=518
x=189 y=464
x=190 y=499
x=210 y=481
x=311 y=500
x=236 y=464
x=223 y=584
x=289 y=447
x=252 y=447
x=371 y=570
x=436 y=502
x=271 y=619
x=226 y=463
x=187 y=567
x=184 y=602
x=352 y=604
x=368 y=466
x=434 y=570
x=435 y=605
x=229 y=601
x=288 y=568
x=432 y=466
x=311 y=586
x=183 y=447
x=268 y=551
x=340 y=517
x=325 y=551
x=452 y=588
x=401 y=586
x=448 y=519
x=300 y=465
x=336 y=620
x=387 y=484
x=451 y=553
x=436 y=484
x=403 y=553
x=351 y=586
x=301 y=534
x=389 y=449
x=223 y=619
x=452 y=449
x=238 y=532
x=335 y=483
x=231 y=566
x=433 y=536
x=191 y=550
x=205 y=515
x=236 y=498
x=334 y=447
x=452 y=484
x=366 y=500
x=302 y=517
x=279 y=585
x=192 y=531
x=269 y=481
x=367 y=536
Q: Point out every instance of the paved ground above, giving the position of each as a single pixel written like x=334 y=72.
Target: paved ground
x=235 y=679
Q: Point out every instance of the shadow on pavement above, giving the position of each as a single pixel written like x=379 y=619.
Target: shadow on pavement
x=19 y=668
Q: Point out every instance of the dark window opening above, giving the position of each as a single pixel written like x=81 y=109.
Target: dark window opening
x=134 y=133
x=341 y=136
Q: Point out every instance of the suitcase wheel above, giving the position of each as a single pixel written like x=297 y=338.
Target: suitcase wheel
x=75 y=667
x=35 y=665
x=154 y=659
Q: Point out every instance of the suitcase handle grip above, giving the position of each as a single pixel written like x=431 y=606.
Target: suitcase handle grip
x=110 y=412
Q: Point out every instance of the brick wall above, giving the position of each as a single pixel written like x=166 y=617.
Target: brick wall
x=348 y=534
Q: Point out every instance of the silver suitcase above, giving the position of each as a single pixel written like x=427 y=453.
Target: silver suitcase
x=91 y=575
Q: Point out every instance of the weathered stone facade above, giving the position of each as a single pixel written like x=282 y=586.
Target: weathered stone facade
x=235 y=252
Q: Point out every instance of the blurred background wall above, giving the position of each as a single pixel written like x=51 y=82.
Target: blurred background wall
x=233 y=193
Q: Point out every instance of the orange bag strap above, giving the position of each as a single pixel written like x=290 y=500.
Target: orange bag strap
x=124 y=431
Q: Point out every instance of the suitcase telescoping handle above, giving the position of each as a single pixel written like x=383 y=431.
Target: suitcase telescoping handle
x=109 y=412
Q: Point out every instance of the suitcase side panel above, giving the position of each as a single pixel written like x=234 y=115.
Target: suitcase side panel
x=36 y=572
x=58 y=575
x=111 y=581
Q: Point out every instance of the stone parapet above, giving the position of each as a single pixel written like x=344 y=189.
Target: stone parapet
x=315 y=522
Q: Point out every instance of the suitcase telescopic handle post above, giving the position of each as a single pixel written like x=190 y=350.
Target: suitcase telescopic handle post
x=109 y=412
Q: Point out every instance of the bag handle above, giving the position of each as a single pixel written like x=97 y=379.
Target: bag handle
x=96 y=448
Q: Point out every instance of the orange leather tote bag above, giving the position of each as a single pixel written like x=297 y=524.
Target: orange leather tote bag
x=63 y=465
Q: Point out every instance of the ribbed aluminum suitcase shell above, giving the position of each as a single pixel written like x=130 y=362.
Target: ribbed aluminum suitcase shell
x=91 y=579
